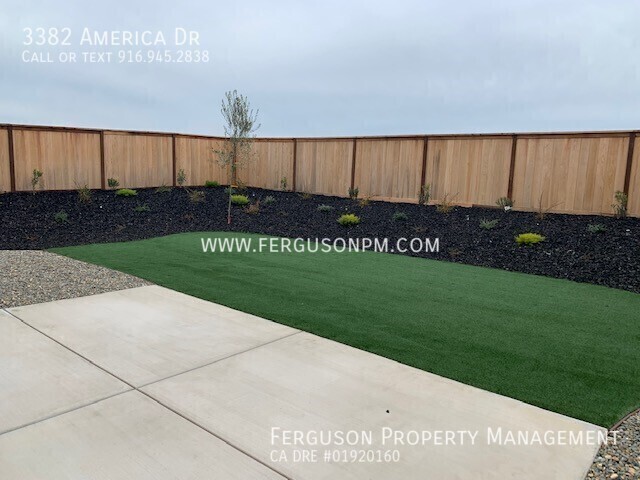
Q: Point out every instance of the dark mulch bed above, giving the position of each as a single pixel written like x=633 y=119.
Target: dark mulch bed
x=611 y=258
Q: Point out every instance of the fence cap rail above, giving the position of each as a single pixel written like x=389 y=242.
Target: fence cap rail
x=434 y=136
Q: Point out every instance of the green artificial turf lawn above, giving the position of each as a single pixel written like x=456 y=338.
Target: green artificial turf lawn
x=567 y=347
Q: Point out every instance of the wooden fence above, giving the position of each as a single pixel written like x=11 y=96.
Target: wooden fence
x=563 y=172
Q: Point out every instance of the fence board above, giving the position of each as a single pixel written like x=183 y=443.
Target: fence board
x=5 y=173
x=578 y=175
x=634 y=182
x=273 y=161
x=389 y=169
x=66 y=159
x=469 y=171
x=196 y=156
x=324 y=166
x=138 y=161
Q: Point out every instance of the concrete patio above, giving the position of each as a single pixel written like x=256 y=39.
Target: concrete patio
x=148 y=383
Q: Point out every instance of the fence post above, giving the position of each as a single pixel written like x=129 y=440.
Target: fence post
x=627 y=173
x=173 y=159
x=12 y=165
x=103 y=169
x=512 y=165
x=295 y=164
x=353 y=163
x=423 y=173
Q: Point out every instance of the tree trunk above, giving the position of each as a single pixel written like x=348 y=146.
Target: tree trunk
x=234 y=174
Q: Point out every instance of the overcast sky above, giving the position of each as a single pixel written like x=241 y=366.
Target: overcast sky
x=334 y=67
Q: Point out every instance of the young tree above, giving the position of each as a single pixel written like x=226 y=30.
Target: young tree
x=239 y=131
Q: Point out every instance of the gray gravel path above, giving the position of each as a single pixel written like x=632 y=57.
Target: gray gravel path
x=34 y=276
x=620 y=461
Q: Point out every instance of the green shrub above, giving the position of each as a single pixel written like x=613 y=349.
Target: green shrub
x=324 y=208
x=505 y=203
x=400 y=217
x=269 y=199
x=349 y=219
x=61 y=217
x=229 y=190
x=84 y=194
x=142 y=208
x=529 y=238
x=181 y=177
x=596 y=228
x=211 y=184
x=239 y=199
x=353 y=193
x=425 y=194
x=196 y=196
x=620 y=207
x=163 y=189
x=35 y=179
x=126 y=192
x=445 y=205
x=364 y=201
x=241 y=186
x=306 y=196
x=488 y=224
x=113 y=183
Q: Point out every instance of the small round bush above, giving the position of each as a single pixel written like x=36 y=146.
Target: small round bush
x=269 y=199
x=529 y=238
x=211 y=184
x=325 y=208
x=239 y=199
x=349 y=219
x=400 y=217
x=126 y=192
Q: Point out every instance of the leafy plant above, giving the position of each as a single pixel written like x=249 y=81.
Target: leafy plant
x=364 y=201
x=142 y=208
x=400 y=217
x=269 y=199
x=505 y=203
x=488 y=224
x=353 y=192
x=181 y=177
x=324 y=208
x=348 y=219
x=113 y=183
x=306 y=196
x=239 y=199
x=529 y=238
x=196 y=196
x=446 y=204
x=596 y=228
x=620 y=207
x=425 y=194
x=254 y=208
x=35 y=179
x=241 y=186
x=61 y=217
x=126 y=192
x=229 y=190
x=84 y=194
x=283 y=184
x=211 y=184
x=163 y=189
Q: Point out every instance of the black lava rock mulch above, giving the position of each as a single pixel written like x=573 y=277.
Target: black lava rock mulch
x=570 y=250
